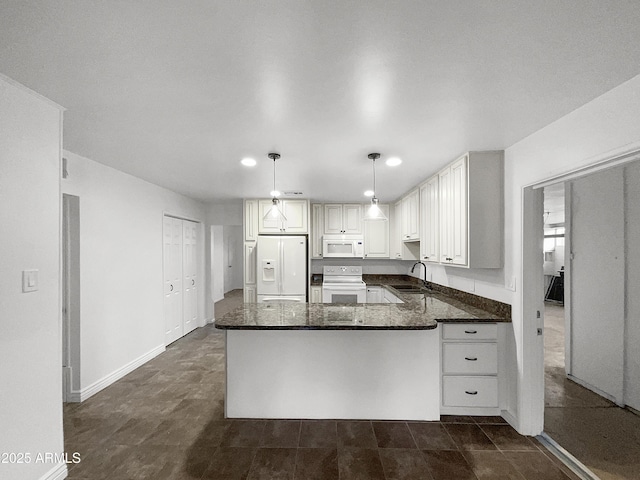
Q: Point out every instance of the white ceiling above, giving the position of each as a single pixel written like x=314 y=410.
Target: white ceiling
x=178 y=92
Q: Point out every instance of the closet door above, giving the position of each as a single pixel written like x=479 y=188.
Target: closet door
x=172 y=266
x=189 y=275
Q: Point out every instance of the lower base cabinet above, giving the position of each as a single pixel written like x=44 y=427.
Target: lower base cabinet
x=315 y=294
x=470 y=366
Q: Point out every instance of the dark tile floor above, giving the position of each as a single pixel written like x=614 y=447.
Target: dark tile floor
x=166 y=420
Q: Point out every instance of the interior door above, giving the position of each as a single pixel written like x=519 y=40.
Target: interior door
x=172 y=266
x=189 y=274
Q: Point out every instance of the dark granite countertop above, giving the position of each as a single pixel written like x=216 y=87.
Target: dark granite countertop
x=418 y=312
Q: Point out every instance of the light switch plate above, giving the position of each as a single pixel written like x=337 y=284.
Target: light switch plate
x=29 y=281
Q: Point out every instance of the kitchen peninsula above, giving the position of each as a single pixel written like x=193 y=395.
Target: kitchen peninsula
x=349 y=361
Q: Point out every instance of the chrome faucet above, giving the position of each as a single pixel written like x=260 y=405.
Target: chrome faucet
x=425 y=270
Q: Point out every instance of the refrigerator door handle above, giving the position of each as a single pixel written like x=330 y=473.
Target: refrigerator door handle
x=281 y=244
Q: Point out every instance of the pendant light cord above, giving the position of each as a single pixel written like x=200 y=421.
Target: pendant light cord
x=374 y=178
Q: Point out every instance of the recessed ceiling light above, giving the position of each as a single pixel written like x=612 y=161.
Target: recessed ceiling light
x=393 y=161
x=248 y=162
x=368 y=193
x=274 y=193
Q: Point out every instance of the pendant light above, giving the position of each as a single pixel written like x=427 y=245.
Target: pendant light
x=374 y=212
x=275 y=212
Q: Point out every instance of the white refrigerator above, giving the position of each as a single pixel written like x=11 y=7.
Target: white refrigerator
x=281 y=268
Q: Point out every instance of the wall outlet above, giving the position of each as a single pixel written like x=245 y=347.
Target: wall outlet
x=511 y=284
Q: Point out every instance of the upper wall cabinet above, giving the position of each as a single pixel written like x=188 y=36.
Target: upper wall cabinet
x=296 y=212
x=376 y=236
x=411 y=216
x=429 y=221
x=343 y=218
x=471 y=211
x=251 y=220
x=317 y=227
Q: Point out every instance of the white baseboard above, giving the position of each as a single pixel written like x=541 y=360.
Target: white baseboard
x=59 y=472
x=596 y=390
x=511 y=420
x=569 y=460
x=104 y=382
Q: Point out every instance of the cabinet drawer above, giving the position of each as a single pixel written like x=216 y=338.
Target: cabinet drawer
x=470 y=331
x=469 y=391
x=470 y=358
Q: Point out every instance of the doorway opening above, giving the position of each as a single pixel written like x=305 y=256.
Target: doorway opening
x=591 y=327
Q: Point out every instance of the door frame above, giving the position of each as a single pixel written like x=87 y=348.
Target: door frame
x=531 y=392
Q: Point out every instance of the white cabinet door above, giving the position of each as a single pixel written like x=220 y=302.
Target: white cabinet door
x=458 y=188
x=250 y=294
x=374 y=294
x=430 y=235
x=269 y=224
x=250 y=263
x=317 y=228
x=251 y=220
x=332 y=219
x=410 y=216
x=190 y=276
x=396 y=232
x=444 y=199
x=339 y=218
x=376 y=236
x=316 y=294
x=352 y=218
x=296 y=212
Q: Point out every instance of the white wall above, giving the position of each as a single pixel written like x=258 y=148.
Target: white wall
x=30 y=328
x=632 y=283
x=601 y=129
x=121 y=265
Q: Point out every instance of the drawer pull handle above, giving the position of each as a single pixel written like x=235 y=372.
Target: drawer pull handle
x=471 y=332
x=474 y=392
x=471 y=359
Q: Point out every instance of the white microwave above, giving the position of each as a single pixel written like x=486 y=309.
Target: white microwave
x=342 y=246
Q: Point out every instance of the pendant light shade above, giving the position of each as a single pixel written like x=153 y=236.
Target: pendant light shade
x=275 y=212
x=374 y=212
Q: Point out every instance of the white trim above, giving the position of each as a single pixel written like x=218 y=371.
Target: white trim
x=510 y=418
x=180 y=217
x=588 y=386
x=59 y=472
x=33 y=93
x=610 y=160
x=531 y=386
x=104 y=382
x=569 y=460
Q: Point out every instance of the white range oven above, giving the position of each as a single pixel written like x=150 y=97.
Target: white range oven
x=343 y=285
